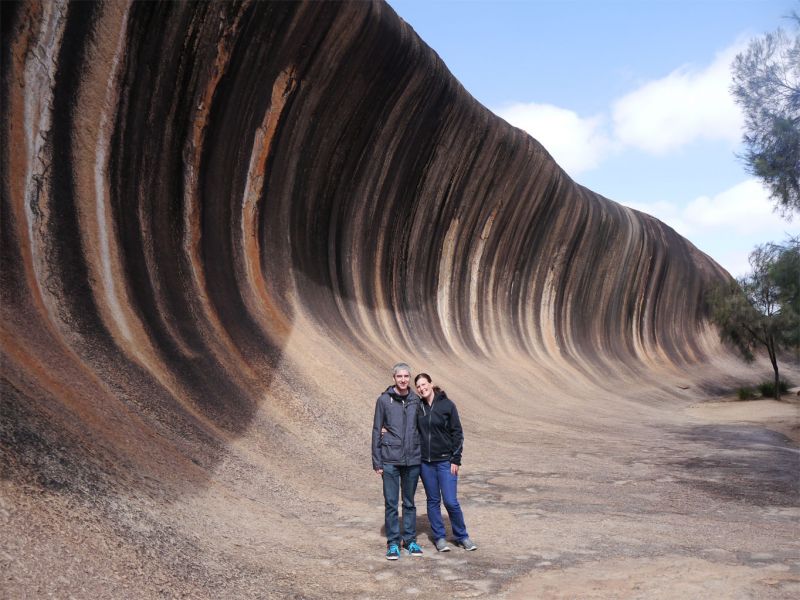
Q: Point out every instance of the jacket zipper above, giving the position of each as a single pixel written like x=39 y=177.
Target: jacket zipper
x=430 y=426
x=405 y=418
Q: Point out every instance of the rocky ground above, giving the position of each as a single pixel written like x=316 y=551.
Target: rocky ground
x=702 y=500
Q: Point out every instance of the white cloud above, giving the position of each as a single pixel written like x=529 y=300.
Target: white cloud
x=686 y=105
x=744 y=209
x=661 y=116
x=576 y=143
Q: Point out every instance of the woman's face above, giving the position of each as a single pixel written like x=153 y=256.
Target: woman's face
x=424 y=388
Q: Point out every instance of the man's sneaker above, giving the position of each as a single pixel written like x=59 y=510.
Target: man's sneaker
x=393 y=553
x=441 y=545
x=467 y=544
x=414 y=549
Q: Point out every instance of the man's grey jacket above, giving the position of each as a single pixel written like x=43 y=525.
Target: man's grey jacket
x=400 y=444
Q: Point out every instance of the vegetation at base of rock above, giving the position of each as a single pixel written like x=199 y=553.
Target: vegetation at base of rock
x=762 y=309
x=767 y=388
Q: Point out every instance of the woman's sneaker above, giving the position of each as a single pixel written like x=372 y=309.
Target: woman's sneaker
x=441 y=545
x=414 y=549
x=393 y=553
x=467 y=544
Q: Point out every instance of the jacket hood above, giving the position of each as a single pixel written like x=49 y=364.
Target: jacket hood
x=440 y=395
x=411 y=395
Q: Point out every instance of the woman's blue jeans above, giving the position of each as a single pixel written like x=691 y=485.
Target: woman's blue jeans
x=441 y=485
x=395 y=479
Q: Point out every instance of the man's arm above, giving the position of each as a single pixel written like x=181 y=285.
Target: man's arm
x=377 y=423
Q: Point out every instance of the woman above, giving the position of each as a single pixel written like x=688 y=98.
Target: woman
x=441 y=440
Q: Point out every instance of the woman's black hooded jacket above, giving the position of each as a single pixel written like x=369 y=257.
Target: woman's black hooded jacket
x=441 y=436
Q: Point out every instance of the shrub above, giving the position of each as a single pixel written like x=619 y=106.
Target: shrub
x=767 y=388
x=745 y=393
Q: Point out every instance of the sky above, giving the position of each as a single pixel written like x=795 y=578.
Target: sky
x=631 y=97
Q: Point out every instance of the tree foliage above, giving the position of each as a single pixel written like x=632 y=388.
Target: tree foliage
x=766 y=84
x=762 y=309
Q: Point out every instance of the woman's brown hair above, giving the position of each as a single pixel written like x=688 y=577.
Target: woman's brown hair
x=436 y=388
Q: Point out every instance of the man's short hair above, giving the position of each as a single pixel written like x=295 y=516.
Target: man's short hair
x=401 y=366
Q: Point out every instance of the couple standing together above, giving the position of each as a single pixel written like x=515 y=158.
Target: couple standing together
x=411 y=436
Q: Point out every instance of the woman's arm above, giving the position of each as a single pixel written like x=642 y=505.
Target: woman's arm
x=457 y=436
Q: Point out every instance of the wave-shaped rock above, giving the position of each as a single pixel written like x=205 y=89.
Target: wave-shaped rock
x=180 y=180
x=196 y=197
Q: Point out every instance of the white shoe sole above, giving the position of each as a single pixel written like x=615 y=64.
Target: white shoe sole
x=470 y=549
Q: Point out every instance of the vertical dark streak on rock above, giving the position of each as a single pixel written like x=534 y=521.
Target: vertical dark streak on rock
x=11 y=265
x=68 y=276
x=239 y=103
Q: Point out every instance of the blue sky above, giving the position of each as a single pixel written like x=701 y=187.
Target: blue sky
x=630 y=97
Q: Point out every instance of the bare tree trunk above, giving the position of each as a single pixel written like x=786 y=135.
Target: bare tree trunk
x=774 y=360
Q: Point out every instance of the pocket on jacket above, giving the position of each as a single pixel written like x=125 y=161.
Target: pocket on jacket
x=391 y=449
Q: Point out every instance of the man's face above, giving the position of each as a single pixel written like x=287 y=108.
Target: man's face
x=401 y=380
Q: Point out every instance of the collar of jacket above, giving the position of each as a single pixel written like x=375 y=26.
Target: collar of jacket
x=395 y=396
x=436 y=397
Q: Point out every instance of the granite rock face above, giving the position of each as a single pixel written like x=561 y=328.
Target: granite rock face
x=179 y=180
x=190 y=191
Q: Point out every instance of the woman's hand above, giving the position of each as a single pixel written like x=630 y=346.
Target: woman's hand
x=454 y=468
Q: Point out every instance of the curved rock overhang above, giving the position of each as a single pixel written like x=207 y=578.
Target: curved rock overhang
x=182 y=182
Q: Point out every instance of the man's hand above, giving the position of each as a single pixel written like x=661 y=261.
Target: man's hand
x=454 y=468
x=379 y=471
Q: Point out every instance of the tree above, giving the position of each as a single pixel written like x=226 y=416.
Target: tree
x=766 y=84
x=761 y=308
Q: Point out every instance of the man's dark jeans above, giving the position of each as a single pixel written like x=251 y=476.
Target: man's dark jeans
x=395 y=479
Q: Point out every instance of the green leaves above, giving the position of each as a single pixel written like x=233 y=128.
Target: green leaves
x=766 y=84
x=761 y=308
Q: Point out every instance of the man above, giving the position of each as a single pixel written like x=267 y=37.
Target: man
x=396 y=458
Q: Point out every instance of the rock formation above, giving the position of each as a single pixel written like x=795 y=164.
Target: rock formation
x=222 y=222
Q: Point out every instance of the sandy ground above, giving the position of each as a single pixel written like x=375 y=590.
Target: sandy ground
x=711 y=537
x=780 y=416
x=634 y=490
x=698 y=499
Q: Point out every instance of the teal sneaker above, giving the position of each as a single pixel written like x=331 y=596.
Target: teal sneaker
x=393 y=553
x=414 y=549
